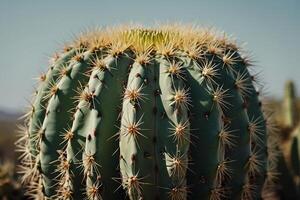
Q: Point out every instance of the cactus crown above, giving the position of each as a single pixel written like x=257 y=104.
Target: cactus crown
x=140 y=39
x=148 y=37
x=169 y=113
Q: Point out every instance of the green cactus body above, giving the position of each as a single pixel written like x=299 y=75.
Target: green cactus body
x=39 y=106
x=58 y=116
x=170 y=113
x=101 y=145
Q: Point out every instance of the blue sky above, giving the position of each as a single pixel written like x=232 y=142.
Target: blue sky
x=31 y=30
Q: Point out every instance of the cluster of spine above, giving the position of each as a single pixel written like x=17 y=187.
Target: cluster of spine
x=171 y=113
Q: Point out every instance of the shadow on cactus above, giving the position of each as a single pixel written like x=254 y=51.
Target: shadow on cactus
x=166 y=113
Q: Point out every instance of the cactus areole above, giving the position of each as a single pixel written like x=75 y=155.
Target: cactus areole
x=136 y=113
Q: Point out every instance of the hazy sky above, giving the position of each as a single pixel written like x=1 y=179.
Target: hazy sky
x=30 y=31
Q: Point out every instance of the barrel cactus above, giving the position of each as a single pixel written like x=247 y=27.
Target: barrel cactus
x=140 y=113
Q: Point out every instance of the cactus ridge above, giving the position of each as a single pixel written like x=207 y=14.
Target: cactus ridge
x=166 y=113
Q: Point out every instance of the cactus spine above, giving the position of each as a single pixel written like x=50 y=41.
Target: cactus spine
x=167 y=113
